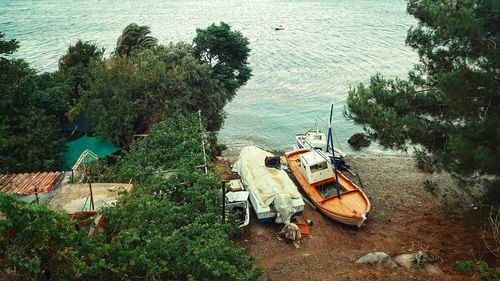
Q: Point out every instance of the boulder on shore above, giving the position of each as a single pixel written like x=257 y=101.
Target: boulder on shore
x=375 y=258
x=412 y=260
x=432 y=269
x=359 y=140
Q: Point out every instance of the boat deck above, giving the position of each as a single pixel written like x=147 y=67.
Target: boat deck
x=352 y=203
x=329 y=189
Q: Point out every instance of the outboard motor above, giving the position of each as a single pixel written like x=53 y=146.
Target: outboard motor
x=273 y=162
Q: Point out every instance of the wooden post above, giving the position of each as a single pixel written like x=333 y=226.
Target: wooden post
x=223 y=200
x=91 y=197
x=203 y=143
x=36 y=195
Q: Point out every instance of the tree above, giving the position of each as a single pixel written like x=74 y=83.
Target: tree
x=227 y=52
x=30 y=139
x=7 y=47
x=133 y=37
x=129 y=95
x=112 y=100
x=75 y=64
x=449 y=106
x=53 y=94
x=80 y=55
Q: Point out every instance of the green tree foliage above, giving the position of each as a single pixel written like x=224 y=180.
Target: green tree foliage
x=75 y=65
x=227 y=52
x=113 y=100
x=450 y=103
x=176 y=143
x=30 y=137
x=37 y=243
x=7 y=47
x=127 y=96
x=169 y=228
x=134 y=37
x=145 y=85
x=53 y=94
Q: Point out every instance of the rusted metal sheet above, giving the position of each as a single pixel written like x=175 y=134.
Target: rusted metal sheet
x=25 y=184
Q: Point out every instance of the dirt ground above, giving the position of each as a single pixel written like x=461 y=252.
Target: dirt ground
x=406 y=216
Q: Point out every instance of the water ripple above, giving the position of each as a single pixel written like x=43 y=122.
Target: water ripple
x=326 y=47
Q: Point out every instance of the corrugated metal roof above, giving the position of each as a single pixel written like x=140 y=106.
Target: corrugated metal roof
x=25 y=184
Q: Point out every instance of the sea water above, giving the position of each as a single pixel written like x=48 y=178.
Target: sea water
x=325 y=48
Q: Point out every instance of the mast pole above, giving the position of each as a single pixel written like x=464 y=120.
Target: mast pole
x=330 y=142
x=203 y=143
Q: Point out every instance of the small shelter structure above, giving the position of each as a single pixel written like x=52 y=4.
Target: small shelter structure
x=97 y=146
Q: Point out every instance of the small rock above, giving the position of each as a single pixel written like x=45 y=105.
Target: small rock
x=432 y=269
x=359 y=140
x=411 y=260
x=377 y=257
x=405 y=260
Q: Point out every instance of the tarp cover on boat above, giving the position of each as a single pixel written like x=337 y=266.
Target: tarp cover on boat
x=264 y=182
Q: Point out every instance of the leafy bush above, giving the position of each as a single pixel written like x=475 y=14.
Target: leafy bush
x=169 y=228
x=483 y=270
x=37 y=243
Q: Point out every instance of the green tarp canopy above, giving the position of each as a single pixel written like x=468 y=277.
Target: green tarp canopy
x=99 y=146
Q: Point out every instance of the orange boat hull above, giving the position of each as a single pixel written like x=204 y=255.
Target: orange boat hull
x=349 y=208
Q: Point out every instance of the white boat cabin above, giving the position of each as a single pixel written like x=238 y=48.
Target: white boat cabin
x=316 y=139
x=315 y=166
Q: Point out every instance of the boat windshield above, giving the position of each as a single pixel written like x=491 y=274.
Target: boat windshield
x=318 y=167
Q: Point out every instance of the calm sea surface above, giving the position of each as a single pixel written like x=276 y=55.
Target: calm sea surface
x=325 y=48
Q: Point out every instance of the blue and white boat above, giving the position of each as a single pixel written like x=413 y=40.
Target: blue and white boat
x=318 y=140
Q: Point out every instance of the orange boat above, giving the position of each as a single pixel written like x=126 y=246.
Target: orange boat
x=344 y=202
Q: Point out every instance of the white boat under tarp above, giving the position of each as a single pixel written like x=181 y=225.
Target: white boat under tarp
x=265 y=184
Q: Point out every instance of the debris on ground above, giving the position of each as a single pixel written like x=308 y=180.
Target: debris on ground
x=377 y=258
x=292 y=232
x=412 y=260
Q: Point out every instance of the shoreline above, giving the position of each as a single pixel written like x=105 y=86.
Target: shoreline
x=232 y=152
x=399 y=168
